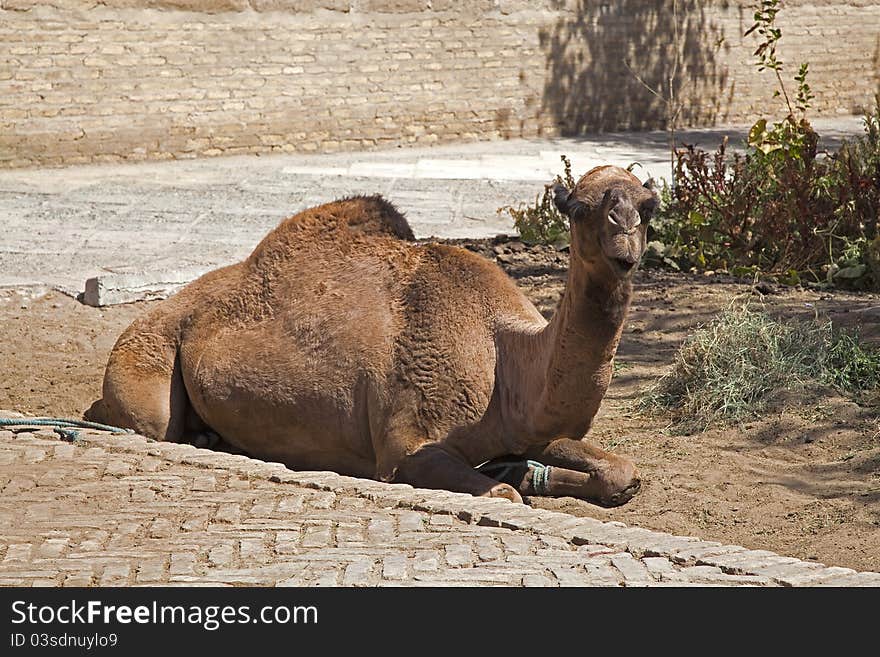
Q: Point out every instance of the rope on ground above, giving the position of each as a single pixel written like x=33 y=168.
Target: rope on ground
x=62 y=426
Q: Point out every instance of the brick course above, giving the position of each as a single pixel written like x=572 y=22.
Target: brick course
x=83 y=81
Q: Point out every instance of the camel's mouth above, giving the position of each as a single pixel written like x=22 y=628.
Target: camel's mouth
x=623 y=265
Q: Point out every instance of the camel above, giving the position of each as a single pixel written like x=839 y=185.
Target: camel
x=340 y=344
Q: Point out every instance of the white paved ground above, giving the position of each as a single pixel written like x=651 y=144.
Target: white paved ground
x=120 y=510
x=64 y=225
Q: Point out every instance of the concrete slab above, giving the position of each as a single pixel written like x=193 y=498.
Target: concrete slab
x=113 y=289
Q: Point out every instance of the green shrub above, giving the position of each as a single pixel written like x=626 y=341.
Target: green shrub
x=786 y=212
x=782 y=208
x=727 y=370
x=542 y=223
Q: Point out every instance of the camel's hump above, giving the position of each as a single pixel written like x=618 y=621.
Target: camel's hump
x=371 y=215
x=364 y=215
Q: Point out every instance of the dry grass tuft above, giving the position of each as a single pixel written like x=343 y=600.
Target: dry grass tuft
x=728 y=370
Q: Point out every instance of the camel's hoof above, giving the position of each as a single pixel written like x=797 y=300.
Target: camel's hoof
x=625 y=495
x=206 y=440
x=506 y=491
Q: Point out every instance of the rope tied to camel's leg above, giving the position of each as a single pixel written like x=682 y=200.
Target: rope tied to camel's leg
x=540 y=477
x=64 y=427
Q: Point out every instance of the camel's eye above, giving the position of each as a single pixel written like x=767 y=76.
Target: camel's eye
x=648 y=208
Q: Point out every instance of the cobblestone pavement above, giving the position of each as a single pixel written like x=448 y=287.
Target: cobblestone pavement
x=122 y=510
x=62 y=226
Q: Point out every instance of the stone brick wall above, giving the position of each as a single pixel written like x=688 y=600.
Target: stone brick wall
x=104 y=80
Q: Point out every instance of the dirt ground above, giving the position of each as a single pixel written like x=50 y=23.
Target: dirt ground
x=803 y=481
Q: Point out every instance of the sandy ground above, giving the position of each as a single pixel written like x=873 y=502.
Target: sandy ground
x=804 y=481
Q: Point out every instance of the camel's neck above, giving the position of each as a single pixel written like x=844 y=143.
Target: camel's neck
x=567 y=366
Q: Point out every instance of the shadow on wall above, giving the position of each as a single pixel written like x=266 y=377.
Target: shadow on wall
x=857 y=109
x=597 y=53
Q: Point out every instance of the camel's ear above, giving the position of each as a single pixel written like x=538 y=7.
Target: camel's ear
x=650 y=185
x=566 y=202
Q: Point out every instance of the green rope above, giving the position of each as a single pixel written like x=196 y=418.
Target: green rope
x=540 y=477
x=61 y=426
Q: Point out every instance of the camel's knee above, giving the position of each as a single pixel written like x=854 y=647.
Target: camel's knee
x=139 y=410
x=109 y=410
x=153 y=405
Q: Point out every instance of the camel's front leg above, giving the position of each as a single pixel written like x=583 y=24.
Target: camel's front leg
x=572 y=468
x=432 y=466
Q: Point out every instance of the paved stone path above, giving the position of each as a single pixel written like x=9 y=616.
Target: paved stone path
x=123 y=510
x=63 y=226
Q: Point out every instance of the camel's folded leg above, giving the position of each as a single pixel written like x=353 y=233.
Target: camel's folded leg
x=575 y=468
x=148 y=397
x=434 y=467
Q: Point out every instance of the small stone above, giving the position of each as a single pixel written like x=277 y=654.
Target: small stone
x=358 y=573
x=426 y=562
x=150 y=571
x=291 y=504
x=52 y=548
x=143 y=495
x=316 y=536
x=571 y=576
x=411 y=521
x=634 y=571
x=658 y=565
x=286 y=542
x=82 y=578
x=206 y=483
x=161 y=528
x=182 y=563
x=394 y=567
x=533 y=579
x=459 y=555
x=18 y=552
x=380 y=530
x=116 y=575
x=221 y=555
x=117 y=468
x=230 y=513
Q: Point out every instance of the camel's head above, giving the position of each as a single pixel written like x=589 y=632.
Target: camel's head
x=608 y=211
